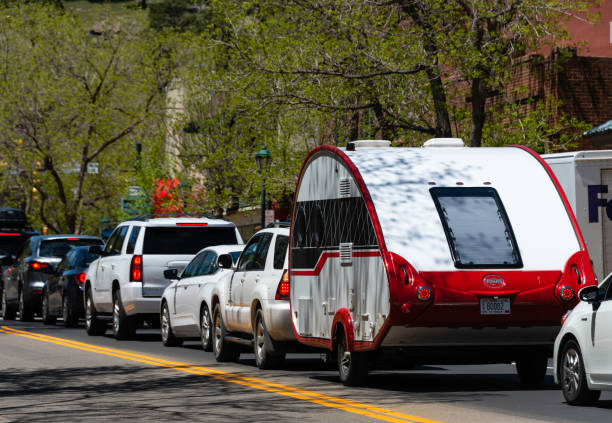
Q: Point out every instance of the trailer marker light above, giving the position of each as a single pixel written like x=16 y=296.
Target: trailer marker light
x=431 y=183
x=406 y=308
x=487 y=183
x=459 y=183
x=567 y=293
x=424 y=293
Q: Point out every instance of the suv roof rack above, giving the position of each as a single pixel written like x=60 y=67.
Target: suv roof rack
x=283 y=224
x=145 y=217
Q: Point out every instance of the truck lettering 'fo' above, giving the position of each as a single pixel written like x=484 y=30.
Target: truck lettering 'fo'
x=586 y=178
x=443 y=254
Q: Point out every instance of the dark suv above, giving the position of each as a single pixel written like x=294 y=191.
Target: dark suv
x=24 y=281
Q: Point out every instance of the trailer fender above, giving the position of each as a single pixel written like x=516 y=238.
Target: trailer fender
x=343 y=317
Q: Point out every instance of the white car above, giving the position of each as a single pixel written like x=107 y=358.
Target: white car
x=251 y=308
x=185 y=304
x=126 y=283
x=583 y=348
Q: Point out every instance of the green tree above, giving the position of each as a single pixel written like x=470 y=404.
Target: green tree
x=71 y=107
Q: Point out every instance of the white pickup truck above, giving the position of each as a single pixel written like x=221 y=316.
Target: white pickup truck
x=251 y=307
x=126 y=283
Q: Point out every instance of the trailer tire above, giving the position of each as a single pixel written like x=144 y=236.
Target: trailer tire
x=224 y=350
x=352 y=366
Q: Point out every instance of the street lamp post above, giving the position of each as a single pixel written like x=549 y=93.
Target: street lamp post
x=263 y=158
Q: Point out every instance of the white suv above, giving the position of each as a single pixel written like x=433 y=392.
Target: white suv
x=126 y=283
x=251 y=308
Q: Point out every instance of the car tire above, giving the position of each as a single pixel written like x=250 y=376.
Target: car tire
x=68 y=314
x=93 y=325
x=573 y=377
x=25 y=312
x=206 y=333
x=224 y=350
x=8 y=311
x=263 y=346
x=167 y=335
x=352 y=366
x=123 y=325
x=531 y=370
x=46 y=317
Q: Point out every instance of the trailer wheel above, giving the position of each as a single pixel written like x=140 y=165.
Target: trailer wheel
x=531 y=370
x=352 y=366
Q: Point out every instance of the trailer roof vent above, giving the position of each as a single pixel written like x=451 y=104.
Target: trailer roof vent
x=444 y=142
x=351 y=146
x=344 y=188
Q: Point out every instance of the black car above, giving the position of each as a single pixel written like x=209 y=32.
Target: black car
x=63 y=291
x=13 y=234
x=24 y=282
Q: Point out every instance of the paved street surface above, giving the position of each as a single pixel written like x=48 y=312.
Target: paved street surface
x=49 y=373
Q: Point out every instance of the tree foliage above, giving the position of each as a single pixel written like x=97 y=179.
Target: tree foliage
x=71 y=102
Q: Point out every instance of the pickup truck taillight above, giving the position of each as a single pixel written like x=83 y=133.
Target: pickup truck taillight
x=282 y=291
x=136 y=269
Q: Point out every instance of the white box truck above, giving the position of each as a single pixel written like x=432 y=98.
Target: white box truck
x=586 y=178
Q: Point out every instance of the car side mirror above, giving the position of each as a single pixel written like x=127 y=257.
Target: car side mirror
x=95 y=249
x=171 y=274
x=225 y=261
x=589 y=294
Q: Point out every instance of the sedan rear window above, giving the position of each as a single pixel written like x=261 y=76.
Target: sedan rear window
x=59 y=247
x=477 y=228
x=168 y=240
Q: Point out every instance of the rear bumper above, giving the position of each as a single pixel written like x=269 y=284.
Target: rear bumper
x=134 y=303
x=399 y=336
x=277 y=316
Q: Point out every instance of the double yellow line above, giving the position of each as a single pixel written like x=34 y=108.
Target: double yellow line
x=256 y=383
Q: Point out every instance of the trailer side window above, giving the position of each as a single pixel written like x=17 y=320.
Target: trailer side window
x=316 y=227
x=477 y=228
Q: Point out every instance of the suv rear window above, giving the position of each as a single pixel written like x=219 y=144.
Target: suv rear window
x=477 y=228
x=59 y=247
x=165 y=240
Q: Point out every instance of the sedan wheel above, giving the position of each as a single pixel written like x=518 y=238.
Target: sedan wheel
x=25 y=314
x=70 y=319
x=205 y=329
x=8 y=312
x=46 y=317
x=573 y=377
x=167 y=336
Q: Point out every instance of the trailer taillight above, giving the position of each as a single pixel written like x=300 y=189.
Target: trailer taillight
x=136 y=269
x=424 y=293
x=567 y=293
x=282 y=291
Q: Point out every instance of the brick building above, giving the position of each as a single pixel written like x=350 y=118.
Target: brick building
x=576 y=73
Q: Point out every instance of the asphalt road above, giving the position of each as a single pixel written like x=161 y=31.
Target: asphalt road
x=49 y=373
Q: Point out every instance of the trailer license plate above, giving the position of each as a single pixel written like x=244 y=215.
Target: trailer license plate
x=495 y=306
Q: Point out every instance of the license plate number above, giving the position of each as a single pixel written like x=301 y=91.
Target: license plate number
x=495 y=306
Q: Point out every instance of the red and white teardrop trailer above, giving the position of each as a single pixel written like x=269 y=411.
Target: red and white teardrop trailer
x=441 y=254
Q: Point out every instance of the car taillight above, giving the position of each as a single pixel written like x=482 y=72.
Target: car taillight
x=81 y=278
x=36 y=265
x=567 y=293
x=282 y=291
x=136 y=269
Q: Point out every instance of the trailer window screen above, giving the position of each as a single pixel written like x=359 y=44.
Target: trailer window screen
x=477 y=228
